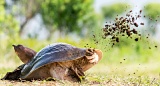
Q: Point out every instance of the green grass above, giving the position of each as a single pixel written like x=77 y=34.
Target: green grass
x=107 y=74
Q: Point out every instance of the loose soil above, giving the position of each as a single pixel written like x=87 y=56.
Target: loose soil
x=122 y=26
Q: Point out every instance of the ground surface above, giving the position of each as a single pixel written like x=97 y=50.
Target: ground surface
x=110 y=75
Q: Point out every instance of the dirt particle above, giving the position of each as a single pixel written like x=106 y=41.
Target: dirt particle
x=94 y=36
x=133 y=19
x=138 y=16
x=142 y=23
x=140 y=11
x=135 y=24
x=134 y=31
x=117 y=39
x=136 y=39
x=130 y=11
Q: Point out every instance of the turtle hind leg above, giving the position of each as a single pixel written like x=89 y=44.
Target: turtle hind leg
x=14 y=75
x=63 y=73
x=57 y=72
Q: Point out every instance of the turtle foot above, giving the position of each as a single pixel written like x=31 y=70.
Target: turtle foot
x=93 y=59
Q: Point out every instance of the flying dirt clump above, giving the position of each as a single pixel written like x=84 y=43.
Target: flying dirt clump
x=122 y=26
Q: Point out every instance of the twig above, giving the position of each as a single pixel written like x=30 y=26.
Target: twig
x=152 y=81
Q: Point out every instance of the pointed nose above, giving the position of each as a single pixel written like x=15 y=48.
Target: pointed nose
x=14 y=45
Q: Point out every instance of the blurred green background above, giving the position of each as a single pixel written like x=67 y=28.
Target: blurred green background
x=37 y=23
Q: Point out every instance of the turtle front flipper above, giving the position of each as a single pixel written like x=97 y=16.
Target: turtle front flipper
x=71 y=73
x=93 y=56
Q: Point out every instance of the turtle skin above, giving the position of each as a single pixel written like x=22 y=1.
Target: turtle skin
x=25 y=54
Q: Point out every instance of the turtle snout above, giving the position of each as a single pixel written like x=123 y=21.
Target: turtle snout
x=18 y=47
x=14 y=45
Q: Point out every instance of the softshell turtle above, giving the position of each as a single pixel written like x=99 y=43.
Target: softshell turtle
x=59 y=61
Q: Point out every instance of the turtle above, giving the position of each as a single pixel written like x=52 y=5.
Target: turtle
x=60 y=61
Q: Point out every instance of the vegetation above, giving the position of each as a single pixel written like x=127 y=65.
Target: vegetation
x=8 y=24
x=153 y=15
x=67 y=15
x=127 y=63
x=115 y=9
x=63 y=15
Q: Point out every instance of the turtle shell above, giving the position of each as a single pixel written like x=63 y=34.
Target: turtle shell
x=58 y=52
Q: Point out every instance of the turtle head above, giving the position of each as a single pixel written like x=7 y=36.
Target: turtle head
x=25 y=54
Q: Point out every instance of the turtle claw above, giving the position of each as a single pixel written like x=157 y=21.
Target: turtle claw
x=93 y=58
